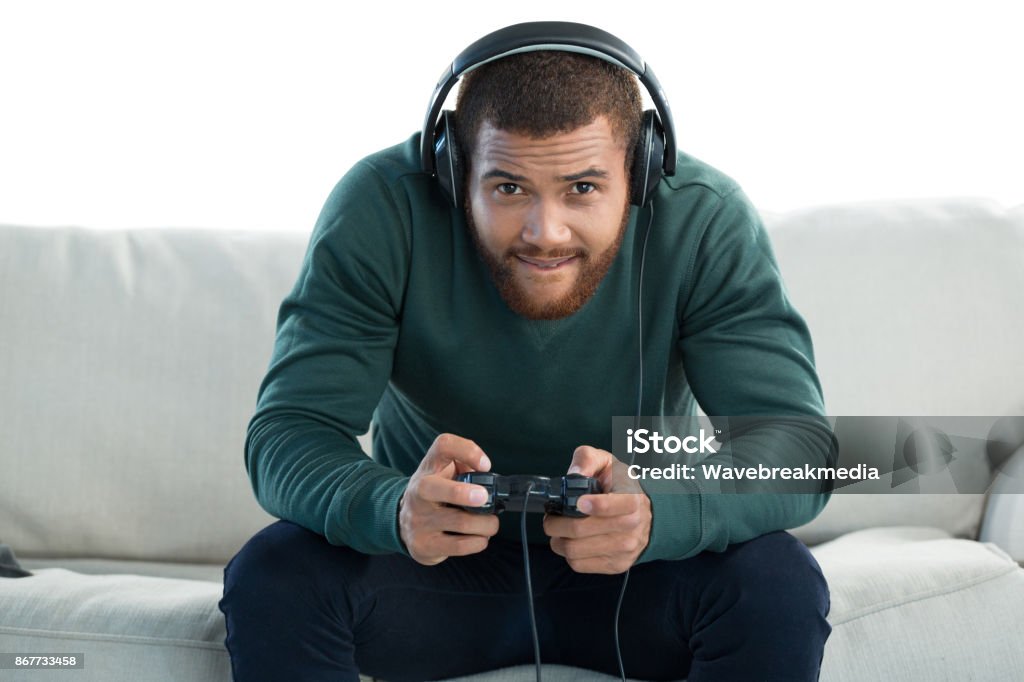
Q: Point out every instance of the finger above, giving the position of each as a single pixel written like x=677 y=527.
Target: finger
x=450 y=520
x=606 y=565
x=610 y=504
x=590 y=461
x=451 y=449
x=459 y=545
x=446 y=491
x=569 y=527
x=614 y=546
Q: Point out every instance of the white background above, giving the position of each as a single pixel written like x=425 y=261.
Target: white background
x=244 y=115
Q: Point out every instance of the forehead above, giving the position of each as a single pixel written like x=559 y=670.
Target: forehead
x=589 y=145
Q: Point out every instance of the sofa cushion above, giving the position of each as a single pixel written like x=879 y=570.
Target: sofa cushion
x=132 y=358
x=130 y=365
x=899 y=595
x=550 y=673
x=128 y=627
x=891 y=589
x=914 y=308
x=156 y=569
x=912 y=603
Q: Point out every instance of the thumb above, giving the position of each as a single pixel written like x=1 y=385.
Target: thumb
x=590 y=461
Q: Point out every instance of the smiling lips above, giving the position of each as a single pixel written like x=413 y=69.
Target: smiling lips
x=546 y=263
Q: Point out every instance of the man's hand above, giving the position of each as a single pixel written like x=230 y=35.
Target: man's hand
x=618 y=527
x=431 y=530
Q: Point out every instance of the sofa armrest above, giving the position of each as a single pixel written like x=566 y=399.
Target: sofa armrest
x=1003 y=522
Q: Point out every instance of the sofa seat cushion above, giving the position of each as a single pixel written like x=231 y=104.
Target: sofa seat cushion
x=158 y=569
x=550 y=673
x=899 y=595
x=893 y=590
x=915 y=603
x=129 y=627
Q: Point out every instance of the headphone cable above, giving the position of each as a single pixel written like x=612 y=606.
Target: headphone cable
x=639 y=400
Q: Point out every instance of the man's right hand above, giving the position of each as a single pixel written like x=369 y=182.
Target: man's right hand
x=431 y=530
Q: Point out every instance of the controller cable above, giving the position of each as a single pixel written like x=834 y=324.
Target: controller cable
x=529 y=583
x=639 y=399
x=529 y=487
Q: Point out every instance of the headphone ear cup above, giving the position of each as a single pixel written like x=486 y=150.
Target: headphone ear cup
x=648 y=159
x=447 y=158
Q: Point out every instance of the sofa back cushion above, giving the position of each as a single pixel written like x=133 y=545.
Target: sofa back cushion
x=130 y=363
x=129 y=369
x=915 y=308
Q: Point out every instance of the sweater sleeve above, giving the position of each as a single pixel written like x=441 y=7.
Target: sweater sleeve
x=332 y=358
x=745 y=351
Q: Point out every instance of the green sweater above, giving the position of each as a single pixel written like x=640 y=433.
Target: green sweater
x=395 y=318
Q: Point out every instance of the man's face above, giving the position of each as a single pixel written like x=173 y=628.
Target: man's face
x=548 y=214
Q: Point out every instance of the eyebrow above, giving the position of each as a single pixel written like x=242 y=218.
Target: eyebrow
x=588 y=173
x=495 y=173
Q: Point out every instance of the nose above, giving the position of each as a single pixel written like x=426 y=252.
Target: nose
x=546 y=227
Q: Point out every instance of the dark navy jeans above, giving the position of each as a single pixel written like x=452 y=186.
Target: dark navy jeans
x=299 y=608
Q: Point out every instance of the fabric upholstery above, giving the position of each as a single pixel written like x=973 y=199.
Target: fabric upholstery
x=915 y=309
x=131 y=361
x=907 y=603
x=130 y=366
x=128 y=627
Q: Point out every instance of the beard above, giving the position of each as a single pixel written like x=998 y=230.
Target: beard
x=592 y=269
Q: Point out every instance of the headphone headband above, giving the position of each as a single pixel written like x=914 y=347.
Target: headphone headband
x=560 y=36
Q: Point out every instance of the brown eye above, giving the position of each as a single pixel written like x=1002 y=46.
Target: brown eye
x=584 y=188
x=508 y=188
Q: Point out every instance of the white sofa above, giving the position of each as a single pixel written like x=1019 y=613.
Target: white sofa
x=130 y=362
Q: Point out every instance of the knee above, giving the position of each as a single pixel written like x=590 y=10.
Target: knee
x=270 y=563
x=775 y=574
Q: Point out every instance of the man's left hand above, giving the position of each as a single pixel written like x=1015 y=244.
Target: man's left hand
x=618 y=526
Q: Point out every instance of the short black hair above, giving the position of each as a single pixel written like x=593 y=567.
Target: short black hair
x=547 y=92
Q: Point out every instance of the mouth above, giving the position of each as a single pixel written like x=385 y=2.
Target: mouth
x=546 y=264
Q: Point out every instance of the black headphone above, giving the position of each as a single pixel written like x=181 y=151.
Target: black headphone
x=655 y=153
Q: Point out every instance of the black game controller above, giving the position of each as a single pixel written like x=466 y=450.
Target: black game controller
x=551 y=496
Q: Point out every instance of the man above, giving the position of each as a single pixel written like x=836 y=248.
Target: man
x=500 y=335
